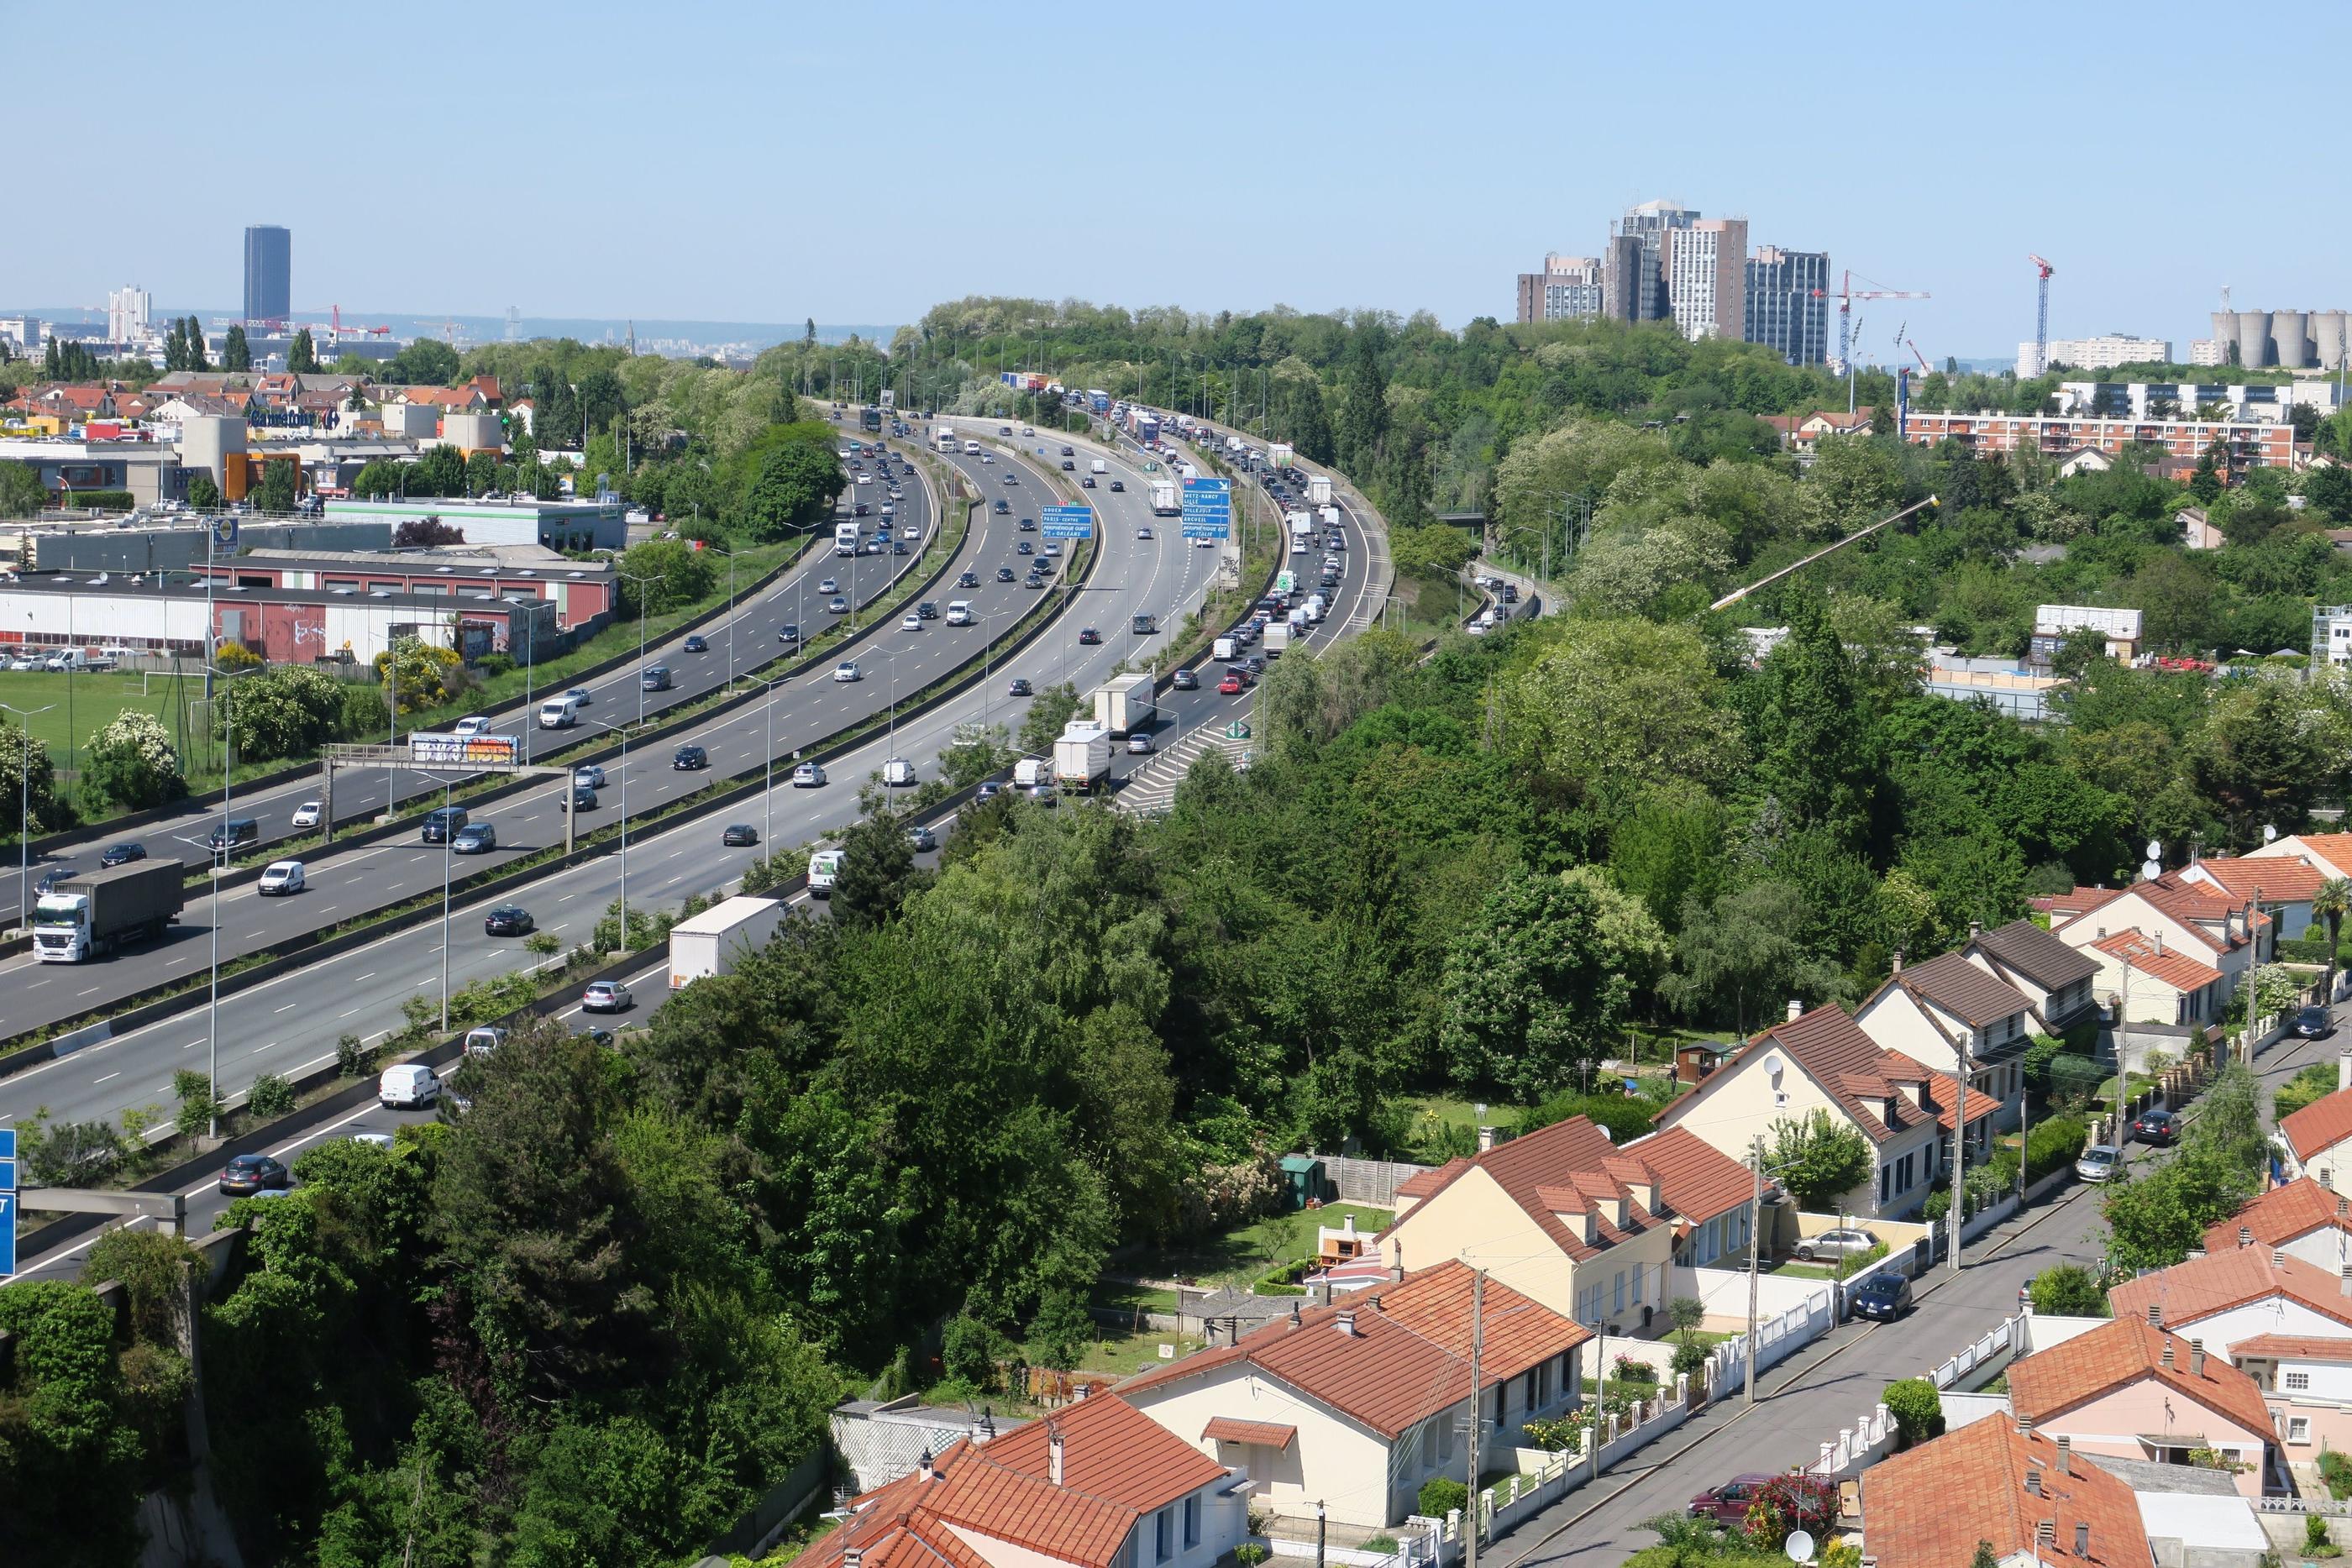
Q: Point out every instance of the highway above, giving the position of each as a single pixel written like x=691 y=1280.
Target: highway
x=359 y=796
x=289 y=1024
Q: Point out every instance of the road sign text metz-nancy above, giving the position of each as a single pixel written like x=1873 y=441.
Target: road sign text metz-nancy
x=1208 y=507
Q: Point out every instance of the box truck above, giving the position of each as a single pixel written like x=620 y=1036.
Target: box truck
x=1301 y=523
x=714 y=941
x=1124 y=702
x=1319 y=489
x=844 y=539
x=1164 y=499
x=947 y=438
x=1101 y=466
x=89 y=913
x=1279 y=454
x=1082 y=756
x=1277 y=637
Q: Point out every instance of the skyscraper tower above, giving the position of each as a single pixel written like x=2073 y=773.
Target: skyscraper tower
x=268 y=273
x=1650 y=223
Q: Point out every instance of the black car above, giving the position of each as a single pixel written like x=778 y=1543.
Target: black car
x=1088 y=637
x=739 y=834
x=249 y=1174
x=928 y=610
x=53 y=879
x=1885 y=1296
x=597 y=1037
x=1068 y=466
x=442 y=820
x=1019 y=688
x=789 y=633
x=1004 y=508
x=656 y=679
x=583 y=798
x=510 y=920
x=1087 y=482
x=1004 y=574
x=1256 y=665
x=2314 y=1023
x=1025 y=548
x=694 y=645
x=2159 y=1128
x=689 y=758
x=968 y=579
x=1186 y=681
x=122 y=854
x=898 y=547
x=1119 y=487
x=988 y=791
x=1028 y=525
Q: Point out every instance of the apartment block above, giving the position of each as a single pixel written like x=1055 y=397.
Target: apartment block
x=1567 y=289
x=2101 y=354
x=1626 y=279
x=1650 y=224
x=2244 y=443
x=1787 y=303
x=1707 y=278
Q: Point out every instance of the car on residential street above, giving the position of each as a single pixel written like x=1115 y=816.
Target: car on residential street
x=1884 y=1296
x=247 y=1174
x=1844 y=1242
x=2099 y=1162
x=2315 y=1023
x=509 y=920
x=739 y=834
x=122 y=853
x=282 y=877
x=1728 y=1503
x=2160 y=1128
x=606 y=996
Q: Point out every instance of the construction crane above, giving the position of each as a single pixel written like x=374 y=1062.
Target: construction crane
x=339 y=328
x=2042 y=317
x=1924 y=369
x=1847 y=295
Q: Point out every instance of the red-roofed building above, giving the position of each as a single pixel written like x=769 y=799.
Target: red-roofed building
x=2319 y=1136
x=1936 y=1011
x=1357 y=1403
x=2227 y=1297
x=1096 y=1484
x=1587 y=1226
x=1822 y=1061
x=2330 y=854
x=2217 y=928
x=2036 y=1504
x=2280 y=885
x=2134 y=1391
x=2157 y=984
x=2307 y=1382
x=2307 y=1220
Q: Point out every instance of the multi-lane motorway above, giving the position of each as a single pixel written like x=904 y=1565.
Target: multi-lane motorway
x=290 y=1024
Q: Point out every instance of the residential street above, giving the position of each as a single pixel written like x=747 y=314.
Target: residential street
x=1806 y=1399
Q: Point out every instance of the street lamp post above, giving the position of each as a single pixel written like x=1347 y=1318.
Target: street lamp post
x=219 y=856
x=25 y=812
x=650 y=577
x=623 y=731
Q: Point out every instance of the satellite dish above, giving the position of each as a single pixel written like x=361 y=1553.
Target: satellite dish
x=2270 y=832
x=2155 y=851
x=2150 y=870
x=1800 y=1546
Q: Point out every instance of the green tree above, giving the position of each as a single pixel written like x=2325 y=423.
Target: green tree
x=1918 y=1408
x=794 y=489
x=1062 y=1330
x=277 y=488
x=1818 y=750
x=2068 y=1289
x=134 y=763
x=302 y=358
x=1533 y=988
x=1819 y=1160
x=878 y=872
x=2205 y=484
x=1616 y=706
x=1362 y=428
x=22 y=494
x=236 y=354
x=1049 y=711
x=1744 y=945
x=72 y=1467
x=665 y=575
x=203 y=494
x=376 y=478
x=25 y=773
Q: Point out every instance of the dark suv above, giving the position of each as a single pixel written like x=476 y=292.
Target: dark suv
x=442 y=820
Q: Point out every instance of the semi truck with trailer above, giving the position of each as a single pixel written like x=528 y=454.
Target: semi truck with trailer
x=92 y=914
x=1124 y=702
x=1319 y=489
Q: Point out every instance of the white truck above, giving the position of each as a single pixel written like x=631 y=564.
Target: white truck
x=1301 y=523
x=89 y=912
x=1223 y=649
x=1099 y=467
x=1030 y=771
x=1329 y=516
x=1082 y=754
x=1319 y=489
x=824 y=867
x=1277 y=637
x=1279 y=454
x=1123 y=702
x=844 y=539
x=714 y=940
x=946 y=438
x=1164 y=499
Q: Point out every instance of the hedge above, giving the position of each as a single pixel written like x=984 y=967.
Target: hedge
x=97 y=501
x=2053 y=1145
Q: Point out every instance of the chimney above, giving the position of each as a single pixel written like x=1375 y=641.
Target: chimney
x=1485 y=1139
x=1346 y=1322
x=2164 y=1358
x=2347 y=1286
x=1347 y=1223
x=1975 y=929
x=923 y=1466
x=2343 y=1069
x=2025 y=1426
x=1898 y=961
x=2343 y=1206
x=2082 y=1540
x=2065 y=1455
x=1796 y=1008
x=2278 y=1257
x=2160 y=944
x=2245 y=1236
x=2196 y=1358
x=2155 y=1314
x=1083 y=1390
x=852 y=1556
x=2045 y=1536
x=1054 y=1458
x=2033 y=1480
x=1376 y=1304
x=2195 y=1253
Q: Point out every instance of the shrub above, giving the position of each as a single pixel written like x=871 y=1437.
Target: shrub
x=134 y=763
x=1442 y=1495
x=1554 y=1435
x=2337 y=1471
x=2315 y=1531
x=1386 y=1545
x=1689 y=1358
x=2053 y=1145
x=495 y=664
x=1634 y=1371
x=1918 y=1409
x=354 y=1058
x=2068 y=1289
x=968 y=1351
x=271 y=1097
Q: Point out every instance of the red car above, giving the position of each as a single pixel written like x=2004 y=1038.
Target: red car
x=1231 y=686
x=1728 y=1503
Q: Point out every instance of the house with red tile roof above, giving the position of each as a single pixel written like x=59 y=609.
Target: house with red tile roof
x=1565 y=1217
x=2227 y=1297
x=2306 y=1383
x=2220 y=929
x=2302 y=1218
x=1949 y=1008
x=1096 y=1484
x=2280 y=885
x=2137 y=1392
x=2329 y=853
x=2319 y=1136
x=1822 y=1062
x=1355 y=1405
x=2157 y=984
x=2032 y=1499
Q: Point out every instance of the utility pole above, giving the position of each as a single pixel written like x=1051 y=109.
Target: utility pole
x=1960 y=1143
x=1755 y=1235
x=1477 y=1412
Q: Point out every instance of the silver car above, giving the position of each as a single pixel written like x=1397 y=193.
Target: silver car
x=1847 y=1243
x=2099 y=1162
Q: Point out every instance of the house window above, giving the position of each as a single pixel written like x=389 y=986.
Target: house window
x=1637 y=1285
x=1164 y=1529
x=1445 y=1436
x=2298 y=1429
x=1618 y=1298
x=1780 y=1099
x=1191 y=1522
x=1885 y=1183
x=1527 y=1390
x=2298 y=1382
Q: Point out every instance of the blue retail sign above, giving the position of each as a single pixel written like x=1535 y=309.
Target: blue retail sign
x=1068 y=522
x=1208 y=509
x=7 y=1201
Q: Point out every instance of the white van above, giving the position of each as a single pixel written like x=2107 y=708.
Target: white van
x=1315 y=608
x=972 y=449
x=1222 y=649
x=473 y=724
x=411 y=1086
x=66 y=659
x=844 y=539
x=559 y=713
x=1101 y=466
x=1030 y=771
x=959 y=612
x=824 y=866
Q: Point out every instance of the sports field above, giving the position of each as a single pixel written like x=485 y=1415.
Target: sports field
x=96 y=697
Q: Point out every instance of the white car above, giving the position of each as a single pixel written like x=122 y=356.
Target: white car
x=847 y=671
x=1203 y=543
x=808 y=775
x=307 y=814
x=283 y=876
x=829 y=586
x=897 y=773
x=606 y=996
x=1144 y=532
x=471 y=724
x=910 y=623
x=2099 y=1162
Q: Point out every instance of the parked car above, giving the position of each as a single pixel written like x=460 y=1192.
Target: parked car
x=282 y=877
x=509 y=920
x=2099 y=1162
x=122 y=854
x=306 y=815
x=1848 y=1242
x=1728 y=1503
x=739 y=834
x=2161 y=1128
x=2315 y=1023
x=1885 y=1296
x=250 y=1174
x=606 y=996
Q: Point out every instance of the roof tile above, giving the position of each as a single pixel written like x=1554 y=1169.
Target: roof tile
x=2221 y=1280
x=2031 y=950
x=1928 y=1508
x=2322 y=1124
x=2049 y=1383
x=1978 y=999
x=2283 y=1214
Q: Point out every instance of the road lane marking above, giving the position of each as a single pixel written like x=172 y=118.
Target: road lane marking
x=108 y=1079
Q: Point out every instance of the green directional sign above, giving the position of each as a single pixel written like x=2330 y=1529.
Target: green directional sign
x=1237 y=730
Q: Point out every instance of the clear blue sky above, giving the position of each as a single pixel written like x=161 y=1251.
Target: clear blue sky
x=858 y=163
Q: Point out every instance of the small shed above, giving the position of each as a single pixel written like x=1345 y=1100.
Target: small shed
x=1303 y=1181
x=1695 y=1062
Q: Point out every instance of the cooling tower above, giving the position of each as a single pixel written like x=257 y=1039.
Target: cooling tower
x=2225 y=328
x=2290 y=334
x=2327 y=337
x=2253 y=338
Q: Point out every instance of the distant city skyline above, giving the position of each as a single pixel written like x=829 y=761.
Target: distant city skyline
x=1324 y=159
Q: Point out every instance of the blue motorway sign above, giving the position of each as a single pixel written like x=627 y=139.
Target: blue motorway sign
x=1208 y=509
x=1068 y=522
x=7 y=1201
